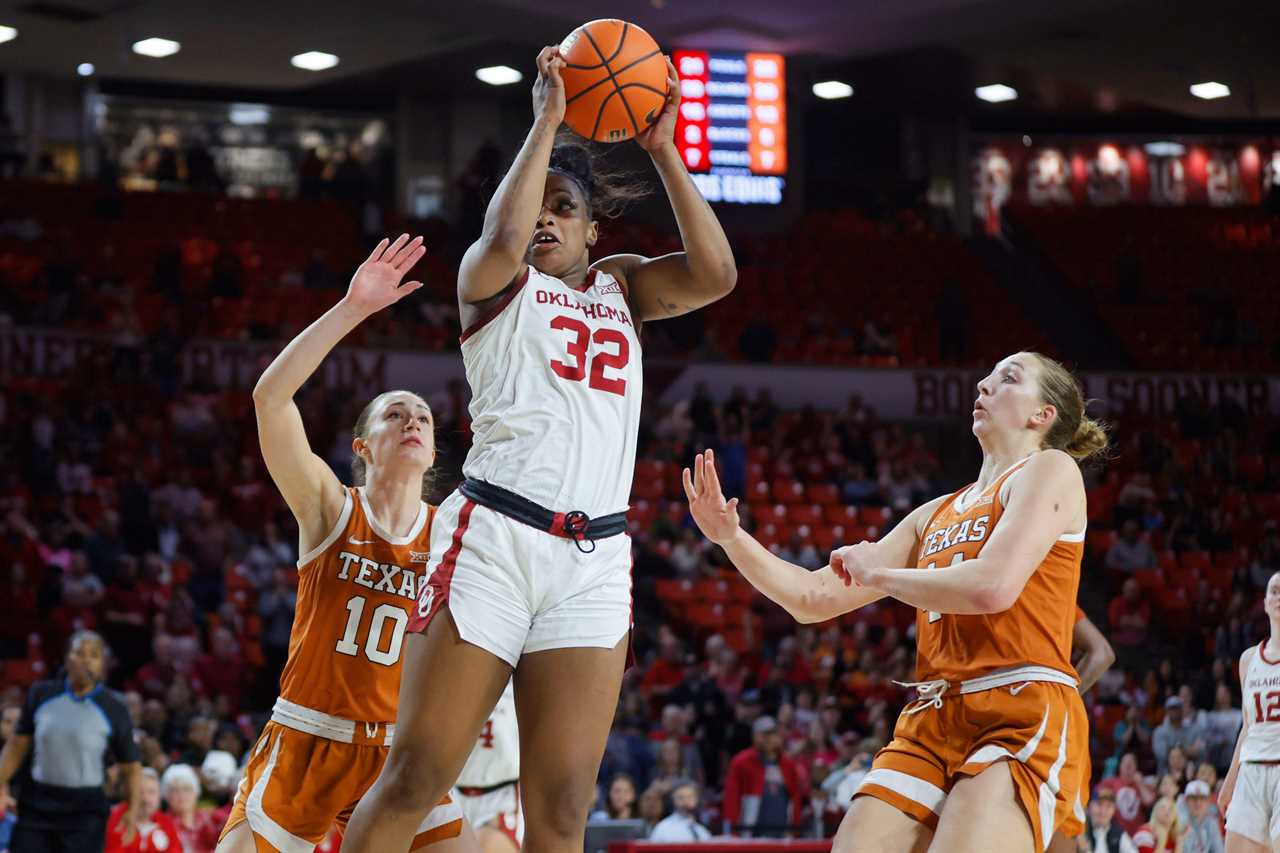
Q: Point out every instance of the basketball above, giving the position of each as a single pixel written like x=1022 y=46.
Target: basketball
x=615 y=80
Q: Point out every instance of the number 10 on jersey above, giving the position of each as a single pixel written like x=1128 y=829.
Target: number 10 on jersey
x=373 y=639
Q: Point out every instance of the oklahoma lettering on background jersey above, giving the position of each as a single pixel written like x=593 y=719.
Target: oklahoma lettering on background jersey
x=1036 y=630
x=556 y=384
x=1262 y=705
x=355 y=590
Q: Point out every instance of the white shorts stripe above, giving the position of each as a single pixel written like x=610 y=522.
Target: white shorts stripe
x=261 y=823
x=925 y=793
x=1050 y=787
x=994 y=752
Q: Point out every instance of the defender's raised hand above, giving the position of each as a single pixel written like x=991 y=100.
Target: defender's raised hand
x=376 y=283
x=715 y=517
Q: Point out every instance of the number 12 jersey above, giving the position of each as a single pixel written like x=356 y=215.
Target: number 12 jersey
x=556 y=383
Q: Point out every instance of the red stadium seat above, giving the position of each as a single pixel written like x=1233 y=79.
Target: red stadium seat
x=788 y=491
x=810 y=514
x=824 y=494
x=675 y=591
x=840 y=514
x=875 y=516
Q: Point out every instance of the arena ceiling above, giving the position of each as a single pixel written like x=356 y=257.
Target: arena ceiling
x=1113 y=54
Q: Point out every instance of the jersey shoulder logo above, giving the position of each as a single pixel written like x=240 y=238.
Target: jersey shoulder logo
x=355 y=541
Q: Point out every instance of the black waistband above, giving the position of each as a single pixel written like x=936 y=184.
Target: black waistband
x=575 y=525
x=489 y=789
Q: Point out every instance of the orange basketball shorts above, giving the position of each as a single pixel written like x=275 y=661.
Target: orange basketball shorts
x=1040 y=728
x=296 y=785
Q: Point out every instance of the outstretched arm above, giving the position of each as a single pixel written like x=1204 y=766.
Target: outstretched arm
x=307 y=484
x=497 y=258
x=1046 y=501
x=676 y=284
x=807 y=596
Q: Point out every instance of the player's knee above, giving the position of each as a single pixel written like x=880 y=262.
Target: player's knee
x=561 y=811
x=411 y=780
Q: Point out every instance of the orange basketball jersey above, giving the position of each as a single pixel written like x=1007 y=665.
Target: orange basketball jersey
x=355 y=590
x=1036 y=630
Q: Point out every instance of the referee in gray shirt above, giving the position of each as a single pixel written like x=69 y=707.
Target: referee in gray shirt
x=73 y=729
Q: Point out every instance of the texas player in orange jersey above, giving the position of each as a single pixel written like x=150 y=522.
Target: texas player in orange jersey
x=364 y=549
x=990 y=755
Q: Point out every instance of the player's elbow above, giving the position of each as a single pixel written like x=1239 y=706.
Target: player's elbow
x=994 y=597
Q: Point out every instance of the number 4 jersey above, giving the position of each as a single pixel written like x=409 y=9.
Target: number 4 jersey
x=556 y=384
x=1036 y=630
x=355 y=591
x=1262 y=703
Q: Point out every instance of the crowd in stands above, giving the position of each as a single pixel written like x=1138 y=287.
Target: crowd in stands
x=164 y=267
x=138 y=505
x=1183 y=287
x=147 y=515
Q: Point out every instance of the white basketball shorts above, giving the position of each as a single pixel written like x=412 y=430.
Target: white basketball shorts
x=513 y=589
x=1254 y=811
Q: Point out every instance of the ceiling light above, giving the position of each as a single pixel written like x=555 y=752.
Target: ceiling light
x=85 y=69
x=832 y=89
x=996 y=92
x=156 y=48
x=1165 y=149
x=1210 y=90
x=314 y=60
x=498 y=75
x=8 y=34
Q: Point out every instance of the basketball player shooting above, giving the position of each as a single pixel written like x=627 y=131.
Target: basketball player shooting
x=530 y=566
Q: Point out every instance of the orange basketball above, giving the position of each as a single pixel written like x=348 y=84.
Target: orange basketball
x=615 y=80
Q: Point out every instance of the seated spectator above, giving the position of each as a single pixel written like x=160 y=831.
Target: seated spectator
x=1204 y=832
x=1175 y=731
x=1130 y=617
x=651 y=808
x=686 y=556
x=1131 y=551
x=762 y=790
x=681 y=826
x=180 y=789
x=1101 y=834
x=224 y=672
x=155 y=829
x=1163 y=832
x=1131 y=794
x=676 y=761
x=1221 y=727
x=620 y=801
x=1132 y=733
x=858 y=488
x=667 y=671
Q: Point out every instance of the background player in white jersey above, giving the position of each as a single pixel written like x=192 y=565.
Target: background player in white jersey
x=1250 y=795
x=530 y=563
x=489 y=787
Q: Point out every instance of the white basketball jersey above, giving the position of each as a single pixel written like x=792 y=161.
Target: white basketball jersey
x=555 y=393
x=496 y=756
x=1262 y=706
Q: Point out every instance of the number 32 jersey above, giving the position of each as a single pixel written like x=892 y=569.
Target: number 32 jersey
x=355 y=591
x=556 y=383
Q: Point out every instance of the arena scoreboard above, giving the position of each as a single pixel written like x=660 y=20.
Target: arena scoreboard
x=732 y=127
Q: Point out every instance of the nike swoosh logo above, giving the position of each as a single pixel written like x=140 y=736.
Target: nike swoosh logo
x=1014 y=691
x=360 y=541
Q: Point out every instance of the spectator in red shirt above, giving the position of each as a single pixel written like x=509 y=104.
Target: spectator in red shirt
x=127 y=615
x=223 y=673
x=180 y=787
x=1130 y=616
x=666 y=672
x=763 y=792
x=1132 y=794
x=156 y=830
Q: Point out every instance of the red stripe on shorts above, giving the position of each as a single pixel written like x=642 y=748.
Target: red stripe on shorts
x=436 y=592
